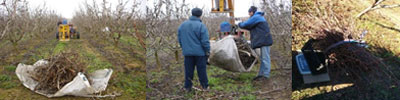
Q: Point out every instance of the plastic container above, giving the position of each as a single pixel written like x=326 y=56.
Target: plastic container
x=315 y=60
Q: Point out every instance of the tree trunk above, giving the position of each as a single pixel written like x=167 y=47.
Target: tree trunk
x=157 y=60
x=177 y=56
x=15 y=46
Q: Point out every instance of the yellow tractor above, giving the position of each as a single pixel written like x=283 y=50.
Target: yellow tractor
x=63 y=32
x=66 y=31
x=224 y=6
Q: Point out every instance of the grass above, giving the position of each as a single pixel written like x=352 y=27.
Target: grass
x=94 y=61
x=10 y=68
x=60 y=47
x=237 y=83
x=7 y=81
x=131 y=84
x=248 y=97
x=129 y=40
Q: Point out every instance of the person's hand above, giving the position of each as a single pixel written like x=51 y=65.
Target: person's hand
x=237 y=22
x=235 y=26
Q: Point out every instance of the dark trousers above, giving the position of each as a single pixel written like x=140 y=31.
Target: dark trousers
x=190 y=63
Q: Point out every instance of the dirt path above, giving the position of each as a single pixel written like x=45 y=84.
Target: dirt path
x=120 y=56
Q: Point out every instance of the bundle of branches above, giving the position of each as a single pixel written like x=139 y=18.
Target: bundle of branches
x=244 y=51
x=345 y=55
x=60 y=70
x=351 y=58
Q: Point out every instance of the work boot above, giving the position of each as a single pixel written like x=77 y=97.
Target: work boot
x=205 y=88
x=257 y=77
x=260 y=77
x=188 y=90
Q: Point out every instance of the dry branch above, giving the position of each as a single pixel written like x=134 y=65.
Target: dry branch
x=60 y=70
x=269 y=91
x=351 y=58
x=244 y=52
x=376 y=6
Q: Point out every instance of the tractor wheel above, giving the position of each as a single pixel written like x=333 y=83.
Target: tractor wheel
x=57 y=37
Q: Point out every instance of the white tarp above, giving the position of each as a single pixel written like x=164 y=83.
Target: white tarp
x=224 y=54
x=79 y=86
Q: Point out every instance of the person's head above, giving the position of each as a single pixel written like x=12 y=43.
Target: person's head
x=225 y=27
x=252 y=10
x=197 y=12
x=59 y=23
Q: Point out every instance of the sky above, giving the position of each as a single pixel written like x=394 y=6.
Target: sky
x=64 y=7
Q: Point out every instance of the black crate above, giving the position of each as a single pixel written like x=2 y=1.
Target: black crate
x=315 y=59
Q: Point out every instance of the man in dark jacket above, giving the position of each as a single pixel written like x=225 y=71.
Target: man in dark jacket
x=194 y=41
x=260 y=38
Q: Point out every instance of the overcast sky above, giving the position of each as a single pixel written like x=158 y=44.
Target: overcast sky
x=64 y=7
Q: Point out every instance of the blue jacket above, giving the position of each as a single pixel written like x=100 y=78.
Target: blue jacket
x=259 y=30
x=193 y=37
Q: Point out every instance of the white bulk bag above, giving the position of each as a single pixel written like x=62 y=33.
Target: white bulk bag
x=224 y=54
x=79 y=86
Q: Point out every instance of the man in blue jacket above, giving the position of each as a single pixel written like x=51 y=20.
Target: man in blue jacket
x=194 y=41
x=260 y=38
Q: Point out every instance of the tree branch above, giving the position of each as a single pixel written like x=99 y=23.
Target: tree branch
x=376 y=6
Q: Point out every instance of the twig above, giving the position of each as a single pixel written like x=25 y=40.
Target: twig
x=162 y=94
x=266 y=92
x=376 y=6
x=101 y=96
x=386 y=6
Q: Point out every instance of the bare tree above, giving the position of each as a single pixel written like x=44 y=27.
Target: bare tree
x=43 y=22
x=109 y=24
x=16 y=22
x=19 y=22
x=278 y=14
x=163 y=20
